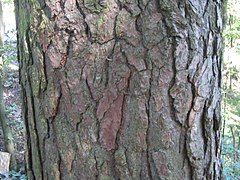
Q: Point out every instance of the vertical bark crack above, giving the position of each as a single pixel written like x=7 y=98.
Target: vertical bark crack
x=69 y=48
x=85 y=24
x=148 y=111
x=172 y=83
x=34 y=116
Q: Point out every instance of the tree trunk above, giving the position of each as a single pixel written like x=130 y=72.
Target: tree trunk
x=121 y=89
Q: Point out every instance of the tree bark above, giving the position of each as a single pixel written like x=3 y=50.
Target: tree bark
x=121 y=89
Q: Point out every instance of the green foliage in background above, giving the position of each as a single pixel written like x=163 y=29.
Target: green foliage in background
x=231 y=94
x=8 y=50
x=232 y=31
x=231 y=137
x=7 y=1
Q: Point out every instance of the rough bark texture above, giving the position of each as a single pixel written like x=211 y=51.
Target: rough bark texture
x=124 y=89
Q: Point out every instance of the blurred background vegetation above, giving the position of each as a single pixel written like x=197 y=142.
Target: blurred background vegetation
x=231 y=93
x=12 y=132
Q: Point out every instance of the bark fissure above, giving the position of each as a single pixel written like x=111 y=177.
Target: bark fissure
x=69 y=48
x=28 y=135
x=173 y=83
x=36 y=133
x=85 y=24
x=148 y=111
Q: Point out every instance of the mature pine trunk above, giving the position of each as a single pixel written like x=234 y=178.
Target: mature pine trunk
x=121 y=89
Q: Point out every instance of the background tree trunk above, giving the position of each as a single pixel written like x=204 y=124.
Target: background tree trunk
x=121 y=89
x=7 y=134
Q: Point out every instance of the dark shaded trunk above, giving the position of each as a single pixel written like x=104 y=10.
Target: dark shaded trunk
x=121 y=89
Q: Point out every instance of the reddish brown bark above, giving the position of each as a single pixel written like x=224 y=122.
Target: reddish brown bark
x=121 y=89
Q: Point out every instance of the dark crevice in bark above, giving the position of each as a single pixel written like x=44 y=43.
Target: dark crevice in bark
x=106 y=68
x=34 y=115
x=158 y=6
x=139 y=4
x=34 y=124
x=85 y=24
x=59 y=162
x=95 y=104
x=204 y=124
x=215 y=46
x=111 y=54
x=96 y=166
x=89 y=91
x=219 y=68
x=216 y=125
x=218 y=28
x=121 y=124
x=205 y=48
x=146 y=63
x=119 y=4
x=146 y=6
x=137 y=26
x=148 y=111
x=184 y=148
x=213 y=69
x=79 y=123
x=190 y=59
x=62 y=5
x=69 y=48
x=45 y=71
x=122 y=5
x=206 y=7
x=190 y=80
x=114 y=34
x=132 y=68
x=97 y=124
x=194 y=9
x=173 y=83
x=110 y=104
x=29 y=144
x=182 y=139
x=56 y=110
x=103 y=42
